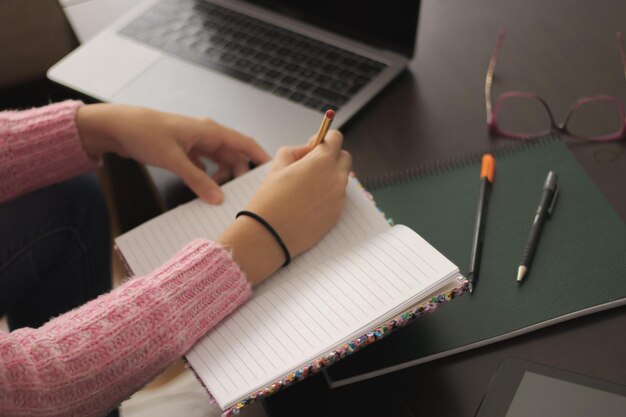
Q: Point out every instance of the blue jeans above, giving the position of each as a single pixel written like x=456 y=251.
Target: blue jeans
x=54 y=251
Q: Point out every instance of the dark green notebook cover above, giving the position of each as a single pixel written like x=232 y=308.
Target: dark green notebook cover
x=579 y=266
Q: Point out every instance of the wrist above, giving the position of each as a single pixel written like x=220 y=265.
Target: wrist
x=94 y=123
x=253 y=248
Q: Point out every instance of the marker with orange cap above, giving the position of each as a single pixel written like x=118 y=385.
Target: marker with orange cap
x=487 y=170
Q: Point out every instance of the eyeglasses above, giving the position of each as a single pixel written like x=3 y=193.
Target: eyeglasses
x=598 y=118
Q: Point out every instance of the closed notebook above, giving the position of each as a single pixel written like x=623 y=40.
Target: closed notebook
x=579 y=266
x=364 y=279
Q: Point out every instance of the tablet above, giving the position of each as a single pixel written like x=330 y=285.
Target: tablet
x=521 y=388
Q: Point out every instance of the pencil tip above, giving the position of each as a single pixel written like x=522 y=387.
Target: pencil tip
x=521 y=272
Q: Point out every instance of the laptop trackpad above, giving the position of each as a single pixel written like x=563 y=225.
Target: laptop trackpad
x=178 y=87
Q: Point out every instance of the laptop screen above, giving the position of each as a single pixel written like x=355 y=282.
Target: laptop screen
x=391 y=24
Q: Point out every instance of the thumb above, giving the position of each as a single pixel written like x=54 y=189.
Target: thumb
x=199 y=181
x=287 y=155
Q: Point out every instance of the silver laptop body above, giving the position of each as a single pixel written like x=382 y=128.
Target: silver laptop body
x=117 y=67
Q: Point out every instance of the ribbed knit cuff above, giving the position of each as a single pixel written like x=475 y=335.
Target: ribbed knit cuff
x=39 y=147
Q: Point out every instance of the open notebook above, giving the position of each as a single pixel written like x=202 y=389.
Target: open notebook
x=362 y=280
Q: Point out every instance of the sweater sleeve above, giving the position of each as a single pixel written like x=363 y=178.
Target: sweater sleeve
x=87 y=361
x=39 y=147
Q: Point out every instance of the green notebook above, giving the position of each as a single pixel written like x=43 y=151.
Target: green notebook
x=579 y=266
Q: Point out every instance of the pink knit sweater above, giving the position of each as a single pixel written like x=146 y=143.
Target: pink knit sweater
x=85 y=362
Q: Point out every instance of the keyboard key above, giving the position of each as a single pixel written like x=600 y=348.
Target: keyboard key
x=262 y=56
x=199 y=47
x=349 y=62
x=314 y=103
x=307 y=73
x=247 y=51
x=346 y=75
x=243 y=63
x=282 y=91
x=274 y=75
x=332 y=56
x=354 y=89
x=297 y=97
x=286 y=63
x=288 y=80
x=330 y=68
x=264 y=85
x=328 y=95
x=314 y=62
x=339 y=86
x=361 y=80
x=277 y=62
x=258 y=69
x=241 y=76
x=323 y=79
x=316 y=50
x=285 y=40
x=297 y=56
x=369 y=69
x=292 y=68
x=212 y=54
x=304 y=86
x=228 y=57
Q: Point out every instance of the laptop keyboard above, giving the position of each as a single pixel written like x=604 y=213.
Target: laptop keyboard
x=277 y=60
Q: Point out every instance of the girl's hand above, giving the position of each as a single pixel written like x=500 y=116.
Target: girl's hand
x=169 y=141
x=301 y=198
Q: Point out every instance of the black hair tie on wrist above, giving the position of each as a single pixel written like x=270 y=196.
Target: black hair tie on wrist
x=269 y=229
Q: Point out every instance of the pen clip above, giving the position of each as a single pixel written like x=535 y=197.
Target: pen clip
x=553 y=202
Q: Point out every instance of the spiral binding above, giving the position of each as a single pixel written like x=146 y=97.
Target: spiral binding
x=438 y=167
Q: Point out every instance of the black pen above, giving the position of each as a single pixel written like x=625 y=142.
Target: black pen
x=546 y=205
x=487 y=170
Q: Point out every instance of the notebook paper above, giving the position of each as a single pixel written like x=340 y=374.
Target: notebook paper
x=154 y=242
x=305 y=314
x=362 y=274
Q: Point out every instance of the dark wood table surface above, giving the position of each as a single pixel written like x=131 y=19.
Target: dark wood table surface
x=560 y=49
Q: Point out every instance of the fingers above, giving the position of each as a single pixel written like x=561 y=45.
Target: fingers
x=287 y=155
x=239 y=143
x=198 y=180
x=332 y=142
x=345 y=161
x=290 y=154
x=240 y=168
x=332 y=148
x=332 y=134
x=235 y=164
x=195 y=158
x=222 y=175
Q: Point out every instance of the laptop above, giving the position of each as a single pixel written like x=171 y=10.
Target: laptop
x=268 y=68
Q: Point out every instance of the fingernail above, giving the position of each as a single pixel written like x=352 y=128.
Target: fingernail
x=214 y=196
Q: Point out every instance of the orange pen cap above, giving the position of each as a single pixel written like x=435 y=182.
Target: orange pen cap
x=488 y=167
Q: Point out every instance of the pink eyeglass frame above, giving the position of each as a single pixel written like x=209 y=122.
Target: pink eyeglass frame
x=492 y=112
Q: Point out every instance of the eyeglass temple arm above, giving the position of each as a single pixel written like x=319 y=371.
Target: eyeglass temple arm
x=490 y=72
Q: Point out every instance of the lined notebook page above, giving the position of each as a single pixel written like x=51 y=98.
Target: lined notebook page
x=307 y=314
x=154 y=242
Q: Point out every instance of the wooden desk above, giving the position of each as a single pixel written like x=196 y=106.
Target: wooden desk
x=560 y=49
